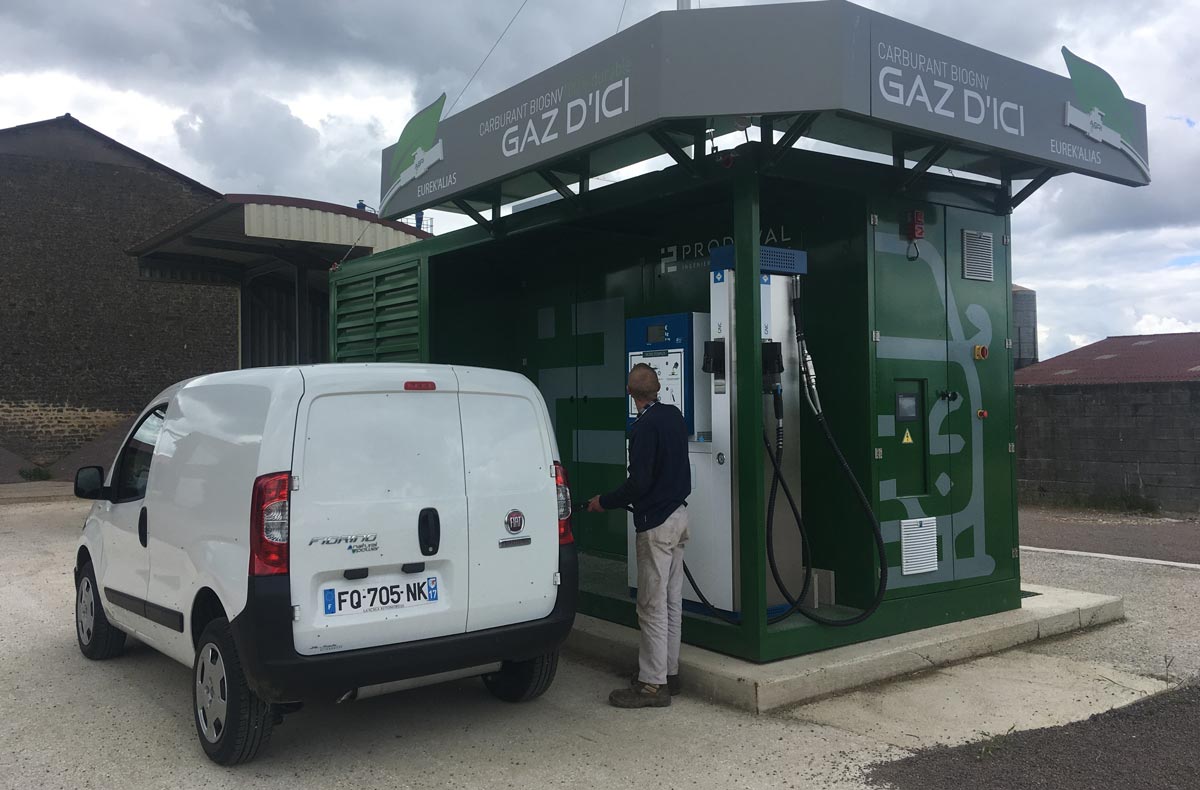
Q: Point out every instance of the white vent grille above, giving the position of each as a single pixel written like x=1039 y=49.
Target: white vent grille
x=978 y=263
x=918 y=545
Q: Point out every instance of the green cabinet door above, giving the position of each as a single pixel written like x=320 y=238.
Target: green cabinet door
x=980 y=370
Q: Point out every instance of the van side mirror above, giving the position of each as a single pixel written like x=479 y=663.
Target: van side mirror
x=89 y=483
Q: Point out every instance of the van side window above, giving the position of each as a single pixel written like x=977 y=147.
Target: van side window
x=133 y=467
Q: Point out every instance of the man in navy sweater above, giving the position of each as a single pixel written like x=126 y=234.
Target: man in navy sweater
x=657 y=489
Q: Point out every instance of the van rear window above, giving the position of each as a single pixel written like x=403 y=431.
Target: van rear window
x=380 y=446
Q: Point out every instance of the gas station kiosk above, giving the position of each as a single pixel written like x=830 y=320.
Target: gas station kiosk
x=836 y=326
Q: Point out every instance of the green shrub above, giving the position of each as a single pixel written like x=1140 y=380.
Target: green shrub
x=33 y=473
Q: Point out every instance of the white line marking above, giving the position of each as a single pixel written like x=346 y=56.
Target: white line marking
x=1145 y=560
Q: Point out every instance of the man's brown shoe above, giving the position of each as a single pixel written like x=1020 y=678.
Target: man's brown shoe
x=673 y=683
x=641 y=695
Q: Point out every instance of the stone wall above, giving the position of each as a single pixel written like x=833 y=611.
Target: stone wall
x=43 y=433
x=1122 y=445
x=84 y=342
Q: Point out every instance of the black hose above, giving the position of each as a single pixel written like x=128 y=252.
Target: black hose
x=864 y=502
x=707 y=604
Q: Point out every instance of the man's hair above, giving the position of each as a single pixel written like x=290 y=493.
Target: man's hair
x=643 y=382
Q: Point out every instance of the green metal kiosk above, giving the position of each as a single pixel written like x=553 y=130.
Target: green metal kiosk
x=896 y=250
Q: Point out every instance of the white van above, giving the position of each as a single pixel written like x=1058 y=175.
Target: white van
x=330 y=532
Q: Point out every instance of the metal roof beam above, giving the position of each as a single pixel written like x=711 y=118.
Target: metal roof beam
x=1030 y=188
x=559 y=186
x=470 y=211
x=673 y=150
x=910 y=176
x=231 y=246
x=798 y=129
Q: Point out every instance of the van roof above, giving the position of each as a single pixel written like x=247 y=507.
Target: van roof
x=364 y=373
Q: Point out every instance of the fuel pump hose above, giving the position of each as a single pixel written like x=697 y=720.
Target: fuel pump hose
x=808 y=374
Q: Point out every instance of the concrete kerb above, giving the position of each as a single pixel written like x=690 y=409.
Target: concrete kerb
x=759 y=688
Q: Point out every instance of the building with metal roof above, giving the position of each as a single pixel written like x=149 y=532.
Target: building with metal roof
x=216 y=282
x=1115 y=423
x=1121 y=360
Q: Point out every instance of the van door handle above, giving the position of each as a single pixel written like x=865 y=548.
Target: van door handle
x=429 y=531
x=142 y=527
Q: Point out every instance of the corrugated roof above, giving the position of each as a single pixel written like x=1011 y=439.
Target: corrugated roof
x=1122 y=359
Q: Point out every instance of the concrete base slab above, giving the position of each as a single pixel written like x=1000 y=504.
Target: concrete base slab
x=993 y=695
x=763 y=687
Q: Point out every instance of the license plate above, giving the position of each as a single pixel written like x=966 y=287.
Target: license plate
x=367 y=598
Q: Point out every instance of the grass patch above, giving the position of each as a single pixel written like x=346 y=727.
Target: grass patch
x=34 y=473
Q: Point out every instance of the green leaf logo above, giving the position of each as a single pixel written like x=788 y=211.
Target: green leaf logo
x=420 y=133
x=1095 y=89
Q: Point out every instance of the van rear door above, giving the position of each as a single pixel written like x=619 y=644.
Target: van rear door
x=512 y=499
x=379 y=519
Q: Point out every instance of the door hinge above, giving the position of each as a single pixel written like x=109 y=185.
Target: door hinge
x=1008 y=342
x=875 y=336
x=1004 y=240
x=1012 y=447
x=878 y=453
x=1016 y=553
x=295 y=614
x=874 y=219
x=557 y=579
x=295 y=482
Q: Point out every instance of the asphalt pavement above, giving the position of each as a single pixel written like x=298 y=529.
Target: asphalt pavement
x=1174 y=538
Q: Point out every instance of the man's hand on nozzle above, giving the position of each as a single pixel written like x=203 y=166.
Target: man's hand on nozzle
x=593 y=505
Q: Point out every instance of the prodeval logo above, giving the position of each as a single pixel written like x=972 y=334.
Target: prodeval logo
x=417 y=150
x=1100 y=111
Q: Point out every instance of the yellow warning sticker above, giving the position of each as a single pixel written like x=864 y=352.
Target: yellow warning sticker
x=907 y=438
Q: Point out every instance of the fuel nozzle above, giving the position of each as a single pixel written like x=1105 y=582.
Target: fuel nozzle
x=772 y=366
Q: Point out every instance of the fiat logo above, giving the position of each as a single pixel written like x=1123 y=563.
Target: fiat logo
x=514 y=522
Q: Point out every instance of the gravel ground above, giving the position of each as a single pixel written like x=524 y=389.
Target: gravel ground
x=66 y=722
x=1150 y=745
x=1162 y=611
x=1146 y=746
x=1175 y=538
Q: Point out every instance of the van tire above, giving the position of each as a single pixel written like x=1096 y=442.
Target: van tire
x=521 y=681
x=248 y=721
x=98 y=638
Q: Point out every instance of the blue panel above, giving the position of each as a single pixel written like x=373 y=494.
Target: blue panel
x=772 y=260
x=666 y=339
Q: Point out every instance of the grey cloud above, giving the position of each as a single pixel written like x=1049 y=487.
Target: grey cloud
x=247 y=138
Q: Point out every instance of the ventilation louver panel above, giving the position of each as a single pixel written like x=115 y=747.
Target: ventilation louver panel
x=918 y=545
x=978 y=263
x=378 y=316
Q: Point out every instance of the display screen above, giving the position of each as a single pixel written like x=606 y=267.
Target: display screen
x=656 y=333
x=906 y=407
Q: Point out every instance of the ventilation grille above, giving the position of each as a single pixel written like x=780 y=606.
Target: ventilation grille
x=977 y=255
x=918 y=545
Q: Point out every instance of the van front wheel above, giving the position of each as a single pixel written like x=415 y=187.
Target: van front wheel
x=521 y=681
x=232 y=722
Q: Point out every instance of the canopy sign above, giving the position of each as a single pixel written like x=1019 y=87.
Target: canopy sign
x=774 y=60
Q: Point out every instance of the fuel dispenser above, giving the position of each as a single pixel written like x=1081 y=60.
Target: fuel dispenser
x=692 y=354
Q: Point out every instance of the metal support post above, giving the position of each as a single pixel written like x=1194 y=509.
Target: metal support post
x=748 y=402
x=303 y=317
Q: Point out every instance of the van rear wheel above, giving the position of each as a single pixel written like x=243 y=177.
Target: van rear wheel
x=521 y=681
x=233 y=724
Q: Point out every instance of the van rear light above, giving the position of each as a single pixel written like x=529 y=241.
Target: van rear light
x=565 y=535
x=270 y=522
x=419 y=386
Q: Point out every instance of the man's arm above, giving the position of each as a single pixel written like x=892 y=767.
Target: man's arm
x=641 y=473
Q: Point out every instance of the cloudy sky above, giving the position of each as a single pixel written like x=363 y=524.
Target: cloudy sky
x=299 y=97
